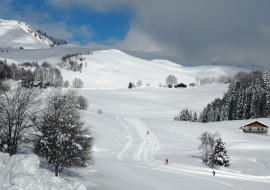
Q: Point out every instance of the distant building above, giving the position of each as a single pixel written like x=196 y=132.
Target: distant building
x=192 y=85
x=181 y=85
x=255 y=127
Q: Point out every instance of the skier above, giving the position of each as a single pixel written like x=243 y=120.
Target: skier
x=147 y=133
x=214 y=172
x=167 y=161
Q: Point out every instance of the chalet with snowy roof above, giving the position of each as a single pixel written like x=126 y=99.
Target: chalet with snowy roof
x=181 y=85
x=37 y=84
x=191 y=85
x=255 y=127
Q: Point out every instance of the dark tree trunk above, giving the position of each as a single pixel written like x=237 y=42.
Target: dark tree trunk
x=56 y=170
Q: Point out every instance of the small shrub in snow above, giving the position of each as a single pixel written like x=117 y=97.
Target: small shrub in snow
x=66 y=84
x=82 y=102
x=99 y=111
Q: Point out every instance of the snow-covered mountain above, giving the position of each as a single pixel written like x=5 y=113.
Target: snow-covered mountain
x=54 y=41
x=16 y=34
x=125 y=156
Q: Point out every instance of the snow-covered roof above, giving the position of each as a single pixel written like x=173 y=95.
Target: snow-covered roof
x=254 y=122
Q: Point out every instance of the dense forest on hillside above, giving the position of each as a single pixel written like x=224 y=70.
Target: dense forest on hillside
x=248 y=97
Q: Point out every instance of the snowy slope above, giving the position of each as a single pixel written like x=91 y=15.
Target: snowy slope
x=115 y=69
x=127 y=158
x=19 y=34
x=111 y=68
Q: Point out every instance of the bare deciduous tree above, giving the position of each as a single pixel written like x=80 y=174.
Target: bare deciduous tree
x=82 y=102
x=139 y=83
x=62 y=140
x=207 y=143
x=77 y=83
x=17 y=107
x=171 y=80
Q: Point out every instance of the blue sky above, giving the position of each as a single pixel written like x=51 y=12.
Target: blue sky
x=189 y=29
x=103 y=26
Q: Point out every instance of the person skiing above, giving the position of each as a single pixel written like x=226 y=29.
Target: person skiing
x=167 y=161
x=147 y=133
x=214 y=172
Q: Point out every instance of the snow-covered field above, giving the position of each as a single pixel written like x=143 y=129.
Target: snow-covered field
x=125 y=157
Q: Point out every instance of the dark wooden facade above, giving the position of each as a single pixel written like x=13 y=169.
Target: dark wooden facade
x=181 y=85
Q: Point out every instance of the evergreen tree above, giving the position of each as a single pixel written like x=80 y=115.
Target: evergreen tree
x=217 y=115
x=130 y=85
x=253 y=107
x=190 y=116
x=194 y=118
x=219 y=156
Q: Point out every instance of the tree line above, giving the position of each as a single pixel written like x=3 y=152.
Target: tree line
x=248 y=97
x=46 y=74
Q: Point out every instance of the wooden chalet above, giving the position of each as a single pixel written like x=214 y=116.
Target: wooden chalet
x=181 y=85
x=192 y=85
x=37 y=84
x=255 y=127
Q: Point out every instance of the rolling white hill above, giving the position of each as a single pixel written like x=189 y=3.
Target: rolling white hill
x=124 y=156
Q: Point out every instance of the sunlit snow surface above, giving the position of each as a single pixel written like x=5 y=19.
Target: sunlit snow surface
x=23 y=172
x=125 y=157
x=14 y=34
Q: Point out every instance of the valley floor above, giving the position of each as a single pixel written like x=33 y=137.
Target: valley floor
x=127 y=158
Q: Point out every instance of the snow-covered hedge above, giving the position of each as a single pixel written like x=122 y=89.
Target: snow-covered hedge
x=23 y=172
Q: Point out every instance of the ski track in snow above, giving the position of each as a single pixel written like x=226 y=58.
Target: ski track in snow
x=140 y=149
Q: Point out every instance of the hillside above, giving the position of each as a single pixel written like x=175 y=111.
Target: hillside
x=115 y=69
x=124 y=156
x=15 y=34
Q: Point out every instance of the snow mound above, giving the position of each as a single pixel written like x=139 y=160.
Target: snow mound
x=23 y=172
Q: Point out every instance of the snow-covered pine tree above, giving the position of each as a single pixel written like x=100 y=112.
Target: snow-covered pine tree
x=217 y=115
x=253 y=106
x=130 y=85
x=219 y=156
x=190 y=116
x=211 y=115
x=184 y=115
x=61 y=138
x=194 y=118
x=239 y=106
x=203 y=116
x=247 y=103
x=227 y=109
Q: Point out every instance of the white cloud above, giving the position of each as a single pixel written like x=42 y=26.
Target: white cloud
x=137 y=41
